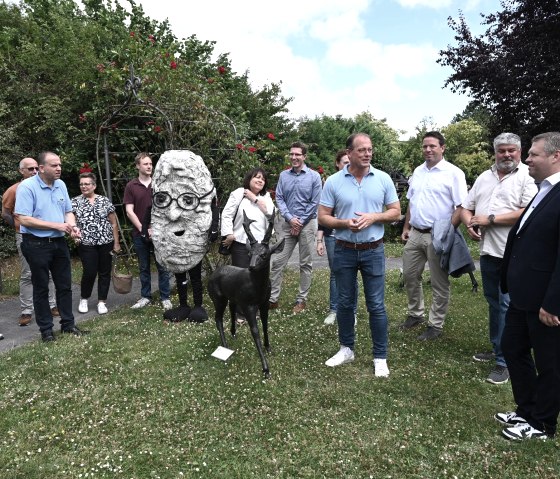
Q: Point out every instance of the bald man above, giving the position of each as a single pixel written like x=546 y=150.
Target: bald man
x=28 y=167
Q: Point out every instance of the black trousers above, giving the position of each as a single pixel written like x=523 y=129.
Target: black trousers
x=195 y=275
x=46 y=255
x=96 y=262
x=535 y=378
x=239 y=255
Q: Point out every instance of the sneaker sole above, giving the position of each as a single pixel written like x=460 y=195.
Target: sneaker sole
x=491 y=381
x=511 y=437
x=346 y=361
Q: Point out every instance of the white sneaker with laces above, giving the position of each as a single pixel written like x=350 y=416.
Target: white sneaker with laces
x=509 y=418
x=166 y=304
x=83 y=306
x=344 y=355
x=523 y=431
x=380 y=367
x=141 y=303
x=330 y=319
x=102 y=308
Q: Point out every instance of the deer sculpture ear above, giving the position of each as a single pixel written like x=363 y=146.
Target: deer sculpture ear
x=278 y=247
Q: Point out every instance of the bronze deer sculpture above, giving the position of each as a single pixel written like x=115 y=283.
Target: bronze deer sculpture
x=246 y=289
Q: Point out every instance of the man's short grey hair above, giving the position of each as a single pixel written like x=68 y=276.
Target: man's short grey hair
x=507 y=139
x=551 y=141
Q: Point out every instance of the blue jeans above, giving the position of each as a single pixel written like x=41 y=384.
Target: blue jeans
x=498 y=302
x=330 y=242
x=143 y=251
x=371 y=263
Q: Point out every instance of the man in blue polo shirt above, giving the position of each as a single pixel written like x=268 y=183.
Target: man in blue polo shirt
x=297 y=196
x=364 y=199
x=45 y=214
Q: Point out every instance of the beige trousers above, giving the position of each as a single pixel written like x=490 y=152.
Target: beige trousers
x=417 y=251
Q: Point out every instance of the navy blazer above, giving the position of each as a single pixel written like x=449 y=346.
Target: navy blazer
x=531 y=265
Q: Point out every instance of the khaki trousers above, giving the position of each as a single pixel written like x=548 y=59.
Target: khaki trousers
x=417 y=251
x=306 y=241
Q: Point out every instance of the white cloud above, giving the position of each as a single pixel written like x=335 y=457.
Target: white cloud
x=307 y=44
x=435 y=4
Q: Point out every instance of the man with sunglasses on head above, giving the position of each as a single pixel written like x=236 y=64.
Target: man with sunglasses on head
x=137 y=200
x=27 y=167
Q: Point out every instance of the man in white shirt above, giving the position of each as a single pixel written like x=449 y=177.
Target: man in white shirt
x=436 y=189
x=495 y=202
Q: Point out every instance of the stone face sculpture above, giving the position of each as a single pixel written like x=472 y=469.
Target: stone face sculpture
x=183 y=217
x=181 y=209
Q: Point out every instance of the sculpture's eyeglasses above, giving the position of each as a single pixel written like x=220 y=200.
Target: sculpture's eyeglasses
x=186 y=201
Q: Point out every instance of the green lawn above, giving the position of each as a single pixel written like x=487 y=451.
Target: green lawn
x=138 y=398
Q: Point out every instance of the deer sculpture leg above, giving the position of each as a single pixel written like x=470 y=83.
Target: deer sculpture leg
x=250 y=312
x=233 y=314
x=220 y=307
x=263 y=309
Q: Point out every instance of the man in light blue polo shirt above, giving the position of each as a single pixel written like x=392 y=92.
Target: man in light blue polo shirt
x=45 y=214
x=297 y=196
x=364 y=199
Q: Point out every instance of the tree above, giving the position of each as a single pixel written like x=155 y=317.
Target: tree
x=467 y=147
x=62 y=71
x=511 y=70
x=325 y=135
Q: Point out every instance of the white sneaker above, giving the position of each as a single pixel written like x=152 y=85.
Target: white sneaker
x=167 y=304
x=102 y=308
x=141 y=303
x=380 y=367
x=330 y=319
x=83 y=306
x=344 y=355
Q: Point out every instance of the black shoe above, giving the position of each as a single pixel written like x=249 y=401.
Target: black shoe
x=430 y=333
x=411 y=322
x=1 y=337
x=75 y=331
x=47 y=337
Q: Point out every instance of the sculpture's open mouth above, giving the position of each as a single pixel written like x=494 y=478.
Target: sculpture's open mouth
x=179 y=233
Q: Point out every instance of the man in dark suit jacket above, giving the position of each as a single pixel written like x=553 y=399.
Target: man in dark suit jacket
x=531 y=275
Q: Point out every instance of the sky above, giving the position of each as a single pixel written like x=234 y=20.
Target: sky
x=337 y=57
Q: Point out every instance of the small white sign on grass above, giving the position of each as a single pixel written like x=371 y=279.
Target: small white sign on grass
x=222 y=353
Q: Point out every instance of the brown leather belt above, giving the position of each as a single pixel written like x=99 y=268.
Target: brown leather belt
x=427 y=230
x=360 y=246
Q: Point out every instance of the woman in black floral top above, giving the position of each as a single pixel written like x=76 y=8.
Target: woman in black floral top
x=95 y=216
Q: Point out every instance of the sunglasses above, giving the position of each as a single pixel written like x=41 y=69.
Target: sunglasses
x=33 y=168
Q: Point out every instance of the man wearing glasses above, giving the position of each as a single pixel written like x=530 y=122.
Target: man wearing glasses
x=297 y=196
x=137 y=200
x=27 y=167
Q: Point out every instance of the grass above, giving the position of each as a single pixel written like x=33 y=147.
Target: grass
x=138 y=398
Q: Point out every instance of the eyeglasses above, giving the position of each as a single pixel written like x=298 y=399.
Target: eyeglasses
x=186 y=201
x=33 y=168
x=85 y=184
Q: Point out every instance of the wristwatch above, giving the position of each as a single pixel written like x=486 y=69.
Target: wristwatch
x=491 y=219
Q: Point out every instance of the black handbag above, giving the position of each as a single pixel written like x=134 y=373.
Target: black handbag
x=223 y=249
